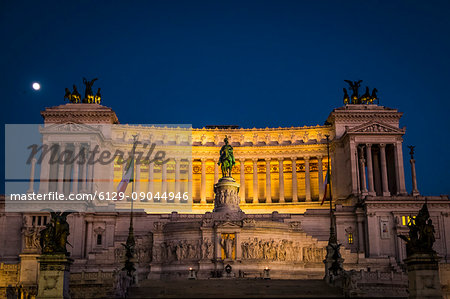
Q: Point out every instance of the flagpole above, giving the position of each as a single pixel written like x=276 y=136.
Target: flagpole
x=131 y=229
x=130 y=244
x=332 y=228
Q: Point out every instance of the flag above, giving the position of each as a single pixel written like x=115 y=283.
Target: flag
x=127 y=177
x=325 y=185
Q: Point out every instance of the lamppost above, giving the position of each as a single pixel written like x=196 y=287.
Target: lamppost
x=333 y=260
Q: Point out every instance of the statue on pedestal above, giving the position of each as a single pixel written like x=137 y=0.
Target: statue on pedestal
x=226 y=160
x=54 y=236
x=420 y=238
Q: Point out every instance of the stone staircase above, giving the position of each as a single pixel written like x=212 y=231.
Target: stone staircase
x=234 y=288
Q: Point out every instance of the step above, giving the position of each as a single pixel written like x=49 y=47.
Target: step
x=234 y=288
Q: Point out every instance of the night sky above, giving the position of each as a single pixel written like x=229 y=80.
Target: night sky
x=248 y=63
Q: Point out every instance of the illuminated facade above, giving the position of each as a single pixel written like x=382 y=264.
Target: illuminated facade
x=366 y=158
x=281 y=173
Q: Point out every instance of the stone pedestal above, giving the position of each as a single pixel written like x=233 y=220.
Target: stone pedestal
x=423 y=275
x=333 y=263
x=227 y=196
x=54 y=271
x=28 y=272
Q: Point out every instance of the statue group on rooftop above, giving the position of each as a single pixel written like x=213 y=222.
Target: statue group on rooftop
x=355 y=98
x=89 y=97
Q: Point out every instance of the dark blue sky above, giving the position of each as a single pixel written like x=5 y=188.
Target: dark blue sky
x=250 y=63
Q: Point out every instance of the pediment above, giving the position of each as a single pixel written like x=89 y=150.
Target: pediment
x=69 y=128
x=375 y=127
x=229 y=224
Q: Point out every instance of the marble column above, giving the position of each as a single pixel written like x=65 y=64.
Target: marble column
x=359 y=220
x=268 y=184
x=294 y=180
x=189 y=170
x=68 y=170
x=177 y=176
x=31 y=185
x=376 y=170
x=242 y=179
x=76 y=168
x=281 y=178
x=307 y=180
x=358 y=182
x=362 y=171
x=163 y=179
x=137 y=179
x=415 y=191
x=44 y=176
x=203 y=182
x=83 y=168
x=354 y=166
x=150 y=178
x=89 y=236
x=384 y=175
x=399 y=169
x=255 y=180
x=216 y=170
x=61 y=164
x=320 y=176
x=90 y=170
x=370 y=169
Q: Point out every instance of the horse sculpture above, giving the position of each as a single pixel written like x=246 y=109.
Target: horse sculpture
x=365 y=98
x=226 y=160
x=346 y=97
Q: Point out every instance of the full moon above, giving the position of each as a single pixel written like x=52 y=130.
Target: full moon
x=36 y=86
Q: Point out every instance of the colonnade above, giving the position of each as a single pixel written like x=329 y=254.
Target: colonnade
x=70 y=177
x=372 y=175
x=268 y=179
x=164 y=177
x=78 y=177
